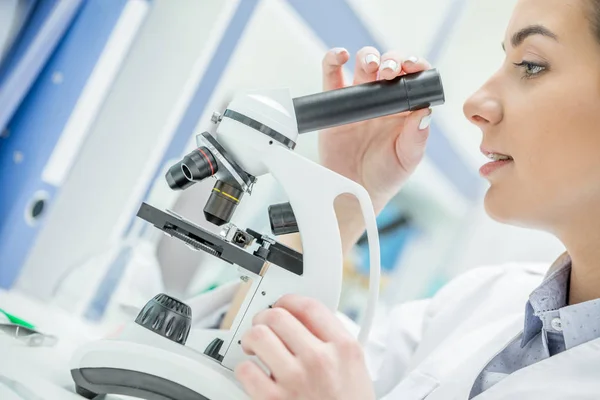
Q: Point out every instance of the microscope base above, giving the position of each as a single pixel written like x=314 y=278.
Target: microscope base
x=92 y=382
x=142 y=364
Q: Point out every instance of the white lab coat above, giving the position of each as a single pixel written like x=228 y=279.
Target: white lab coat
x=434 y=349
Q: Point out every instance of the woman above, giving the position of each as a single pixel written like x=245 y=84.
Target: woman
x=493 y=333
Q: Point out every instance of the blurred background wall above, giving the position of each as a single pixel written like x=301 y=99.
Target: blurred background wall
x=99 y=97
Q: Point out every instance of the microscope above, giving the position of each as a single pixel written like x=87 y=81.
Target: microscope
x=159 y=355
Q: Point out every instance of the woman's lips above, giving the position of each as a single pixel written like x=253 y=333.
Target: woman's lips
x=493 y=166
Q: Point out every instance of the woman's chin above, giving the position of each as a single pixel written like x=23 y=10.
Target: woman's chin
x=500 y=208
x=507 y=210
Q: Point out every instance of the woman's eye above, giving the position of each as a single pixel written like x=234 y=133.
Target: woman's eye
x=531 y=69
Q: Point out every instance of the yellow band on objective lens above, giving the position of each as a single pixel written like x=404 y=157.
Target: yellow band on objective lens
x=227 y=195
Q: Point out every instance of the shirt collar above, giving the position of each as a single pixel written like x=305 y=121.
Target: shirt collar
x=551 y=294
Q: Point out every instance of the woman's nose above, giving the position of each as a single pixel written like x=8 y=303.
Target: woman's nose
x=483 y=109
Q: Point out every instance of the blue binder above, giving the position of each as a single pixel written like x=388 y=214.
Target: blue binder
x=44 y=108
x=45 y=26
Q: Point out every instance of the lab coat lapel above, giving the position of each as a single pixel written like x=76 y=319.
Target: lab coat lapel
x=449 y=372
x=572 y=374
x=463 y=363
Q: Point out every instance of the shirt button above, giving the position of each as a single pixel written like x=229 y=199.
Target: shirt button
x=556 y=324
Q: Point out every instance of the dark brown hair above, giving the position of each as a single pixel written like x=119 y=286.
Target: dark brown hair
x=593 y=13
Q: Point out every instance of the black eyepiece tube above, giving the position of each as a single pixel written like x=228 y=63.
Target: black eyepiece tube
x=369 y=100
x=177 y=179
x=199 y=165
x=195 y=166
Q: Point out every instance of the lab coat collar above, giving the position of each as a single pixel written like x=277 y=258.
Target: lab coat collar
x=551 y=294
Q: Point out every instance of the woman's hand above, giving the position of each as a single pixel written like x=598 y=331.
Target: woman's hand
x=310 y=354
x=380 y=154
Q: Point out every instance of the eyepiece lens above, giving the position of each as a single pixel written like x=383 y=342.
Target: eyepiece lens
x=199 y=164
x=186 y=172
x=176 y=179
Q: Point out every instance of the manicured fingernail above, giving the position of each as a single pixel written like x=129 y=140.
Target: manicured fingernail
x=412 y=59
x=371 y=58
x=339 y=50
x=390 y=64
x=425 y=122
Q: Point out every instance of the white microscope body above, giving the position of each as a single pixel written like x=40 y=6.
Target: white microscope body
x=158 y=356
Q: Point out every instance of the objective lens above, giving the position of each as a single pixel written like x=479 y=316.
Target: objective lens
x=222 y=203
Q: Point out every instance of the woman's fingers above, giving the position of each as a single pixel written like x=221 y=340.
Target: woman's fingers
x=317 y=318
x=296 y=337
x=367 y=65
x=262 y=342
x=415 y=64
x=256 y=383
x=333 y=64
x=370 y=66
x=391 y=65
x=411 y=143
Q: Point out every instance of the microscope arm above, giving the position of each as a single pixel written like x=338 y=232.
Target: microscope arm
x=319 y=229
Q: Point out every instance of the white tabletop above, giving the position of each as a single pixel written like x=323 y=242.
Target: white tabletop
x=43 y=371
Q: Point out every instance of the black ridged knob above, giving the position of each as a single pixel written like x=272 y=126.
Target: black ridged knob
x=212 y=350
x=283 y=220
x=167 y=317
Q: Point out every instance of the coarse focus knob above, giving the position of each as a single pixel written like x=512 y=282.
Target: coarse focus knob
x=167 y=317
x=282 y=218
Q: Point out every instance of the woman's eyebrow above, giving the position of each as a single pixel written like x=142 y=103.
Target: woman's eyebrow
x=519 y=37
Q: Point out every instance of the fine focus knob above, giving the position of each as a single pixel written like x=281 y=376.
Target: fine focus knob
x=167 y=317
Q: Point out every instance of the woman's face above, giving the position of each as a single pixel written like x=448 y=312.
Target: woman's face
x=542 y=108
